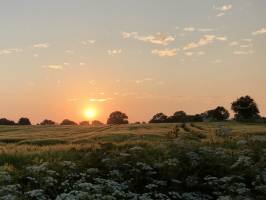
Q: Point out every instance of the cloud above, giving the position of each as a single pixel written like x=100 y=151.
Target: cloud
x=247 y=40
x=82 y=64
x=220 y=14
x=88 y=42
x=70 y=51
x=205 y=40
x=259 y=32
x=223 y=9
x=113 y=52
x=205 y=29
x=157 y=38
x=10 y=51
x=189 y=53
x=234 y=43
x=165 y=52
x=148 y=79
x=54 y=67
x=243 y=52
x=41 y=45
x=100 y=100
x=189 y=29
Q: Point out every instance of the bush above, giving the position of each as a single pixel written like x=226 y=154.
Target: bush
x=24 y=121
x=84 y=123
x=68 y=122
x=5 y=121
x=47 y=122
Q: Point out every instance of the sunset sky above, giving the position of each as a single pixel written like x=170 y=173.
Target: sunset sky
x=59 y=58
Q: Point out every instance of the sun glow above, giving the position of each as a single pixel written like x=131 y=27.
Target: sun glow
x=90 y=113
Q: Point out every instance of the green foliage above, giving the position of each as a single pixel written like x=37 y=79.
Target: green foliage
x=134 y=162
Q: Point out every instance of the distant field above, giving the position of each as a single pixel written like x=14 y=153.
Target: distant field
x=34 y=137
x=144 y=161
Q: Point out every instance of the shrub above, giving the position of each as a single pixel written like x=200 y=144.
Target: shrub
x=68 y=122
x=24 y=121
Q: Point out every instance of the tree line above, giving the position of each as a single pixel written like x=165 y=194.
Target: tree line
x=244 y=108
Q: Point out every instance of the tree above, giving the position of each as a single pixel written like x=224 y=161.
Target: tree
x=245 y=108
x=24 y=121
x=47 y=122
x=158 y=118
x=179 y=116
x=217 y=114
x=117 y=117
x=68 y=122
x=5 y=121
x=96 y=123
x=84 y=123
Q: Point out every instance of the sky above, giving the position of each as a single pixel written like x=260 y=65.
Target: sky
x=59 y=58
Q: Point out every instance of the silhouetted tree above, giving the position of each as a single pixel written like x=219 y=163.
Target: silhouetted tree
x=245 y=108
x=24 y=121
x=84 y=123
x=68 y=122
x=195 y=118
x=178 y=117
x=47 y=122
x=117 y=117
x=217 y=114
x=5 y=121
x=159 y=118
x=96 y=123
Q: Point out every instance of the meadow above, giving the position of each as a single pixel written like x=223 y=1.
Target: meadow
x=205 y=160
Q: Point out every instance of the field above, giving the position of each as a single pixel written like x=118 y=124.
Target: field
x=144 y=161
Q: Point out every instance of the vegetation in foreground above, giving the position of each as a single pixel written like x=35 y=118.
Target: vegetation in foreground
x=159 y=161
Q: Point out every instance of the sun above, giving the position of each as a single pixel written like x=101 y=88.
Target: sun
x=90 y=113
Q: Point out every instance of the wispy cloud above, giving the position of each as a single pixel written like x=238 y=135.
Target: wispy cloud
x=222 y=10
x=205 y=40
x=259 y=32
x=165 y=52
x=10 y=51
x=88 y=42
x=100 y=100
x=234 y=43
x=41 y=45
x=70 y=51
x=189 y=29
x=243 y=52
x=225 y=8
x=113 y=52
x=54 y=67
x=157 y=38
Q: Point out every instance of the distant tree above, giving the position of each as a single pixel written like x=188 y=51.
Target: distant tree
x=117 y=117
x=5 y=121
x=137 y=123
x=84 y=123
x=24 y=121
x=195 y=118
x=245 y=108
x=159 y=118
x=68 y=122
x=217 y=114
x=47 y=122
x=96 y=123
x=179 y=116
